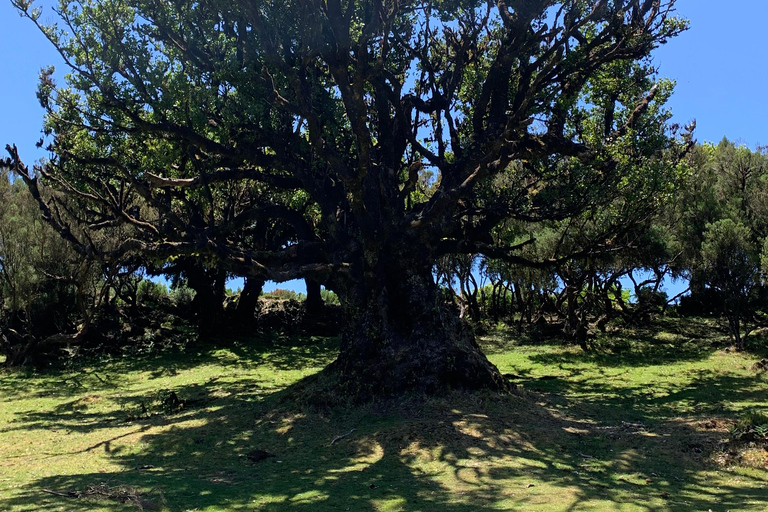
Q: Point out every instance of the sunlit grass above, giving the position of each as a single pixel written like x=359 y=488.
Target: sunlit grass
x=635 y=425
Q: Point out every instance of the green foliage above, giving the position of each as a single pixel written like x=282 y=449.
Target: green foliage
x=600 y=227
x=729 y=264
x=280 y=294
x=39 y=272
x=728 y=258
x=179 y=122
x=329 y=297
x=151 y=292
x=752 y=424
x=182 y=296
x=650 y=299
x=729 y=183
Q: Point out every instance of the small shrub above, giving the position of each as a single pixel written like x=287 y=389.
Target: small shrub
x=280 y=294
x=753 y=425
x=150 y=291
x=650 y=300
x=329 y=298
x=182 y=296
x=751 y=419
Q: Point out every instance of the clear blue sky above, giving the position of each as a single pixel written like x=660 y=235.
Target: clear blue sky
x=718 y=65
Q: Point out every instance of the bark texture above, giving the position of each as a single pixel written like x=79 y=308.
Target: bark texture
x=400 y=336
x=208 y=304
x=248 y=301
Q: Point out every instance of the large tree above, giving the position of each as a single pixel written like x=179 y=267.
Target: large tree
x=364 y=130
x=720 y=225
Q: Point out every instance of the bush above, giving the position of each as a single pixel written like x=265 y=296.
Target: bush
x=151 y=292
x=651 y=301
x=329 y=298
x=753 y=425
x=182 y=296
x=280 y=294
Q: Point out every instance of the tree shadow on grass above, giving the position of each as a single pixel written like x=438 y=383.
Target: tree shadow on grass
x=284 y=352
x=641 y=349
x=661 y=340
x=459 y=453
x=704 y=396
x=279 y=352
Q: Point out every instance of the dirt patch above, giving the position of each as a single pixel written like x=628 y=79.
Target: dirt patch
x=753 y=454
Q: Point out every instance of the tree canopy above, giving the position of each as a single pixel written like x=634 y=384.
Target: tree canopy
x=357 y=142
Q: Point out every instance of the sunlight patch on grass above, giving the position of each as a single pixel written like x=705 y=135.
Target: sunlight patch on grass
x=631 y=426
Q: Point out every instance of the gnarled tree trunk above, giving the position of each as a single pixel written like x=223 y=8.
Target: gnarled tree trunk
x=400 y=336
x=208 y=304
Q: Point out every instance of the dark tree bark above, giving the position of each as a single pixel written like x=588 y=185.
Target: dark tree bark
x=575 y=327
x=399 y=335
x=208 y=304
x=313 y=305
x=248 y=301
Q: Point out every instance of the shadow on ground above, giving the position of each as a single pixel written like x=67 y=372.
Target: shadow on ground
x=280 y=352
x=460 y=453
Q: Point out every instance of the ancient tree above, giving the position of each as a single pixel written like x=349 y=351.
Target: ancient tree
x=369 y=137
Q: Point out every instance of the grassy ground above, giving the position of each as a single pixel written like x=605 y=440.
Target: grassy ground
x=636 y=425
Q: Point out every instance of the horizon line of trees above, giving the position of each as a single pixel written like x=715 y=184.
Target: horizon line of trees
x=711 y=230
x=711 y=233
x=368 y=145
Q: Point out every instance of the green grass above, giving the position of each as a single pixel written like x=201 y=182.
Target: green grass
x=635 y=425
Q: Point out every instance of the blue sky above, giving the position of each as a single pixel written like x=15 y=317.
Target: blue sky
x=718 y=65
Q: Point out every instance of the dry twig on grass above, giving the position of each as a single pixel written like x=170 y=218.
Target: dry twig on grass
x=338 y=438
x=152 y=500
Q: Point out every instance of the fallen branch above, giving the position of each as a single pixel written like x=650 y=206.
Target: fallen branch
x=338 y=438
x=98 y=377
x=123 y=494
x=70 y=494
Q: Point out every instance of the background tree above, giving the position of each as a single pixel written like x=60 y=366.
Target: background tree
x=362 y=129
x=48 y=293
x=717 y=220
x=730 y=265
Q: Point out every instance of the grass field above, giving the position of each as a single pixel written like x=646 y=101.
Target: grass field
x=639 y=424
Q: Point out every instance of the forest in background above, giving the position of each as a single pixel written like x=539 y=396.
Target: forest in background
x=430 y=168
x=709 y=230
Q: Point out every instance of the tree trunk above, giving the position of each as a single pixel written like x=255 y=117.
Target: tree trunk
x=248 y=301
x=575 y=329
x=208 y=304
x=399 y=335
x=313 y=305
x=734 y=322
x=520 y=306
